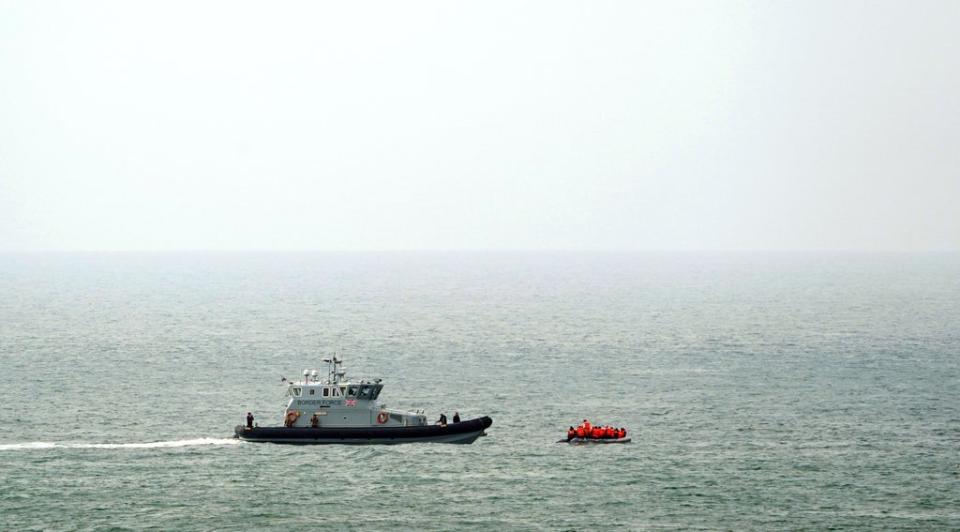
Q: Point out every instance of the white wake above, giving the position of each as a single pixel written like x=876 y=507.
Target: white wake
x=34 y=445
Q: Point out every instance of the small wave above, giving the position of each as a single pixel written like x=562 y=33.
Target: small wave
x=33 y=445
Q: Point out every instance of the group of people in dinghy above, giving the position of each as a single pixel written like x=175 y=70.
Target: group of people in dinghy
x=586 y=430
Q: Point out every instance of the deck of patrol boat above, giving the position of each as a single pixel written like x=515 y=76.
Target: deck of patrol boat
x=463 y=432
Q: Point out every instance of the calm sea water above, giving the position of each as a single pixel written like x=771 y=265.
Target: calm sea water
x=763 y=391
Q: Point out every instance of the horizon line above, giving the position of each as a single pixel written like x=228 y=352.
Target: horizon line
x=482 y=250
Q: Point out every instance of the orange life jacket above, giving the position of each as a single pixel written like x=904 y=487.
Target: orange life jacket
x=597 y=432
x=609 y=432
x=623 y=433
x=580 y=432
x=571 y=433
x=587 y=427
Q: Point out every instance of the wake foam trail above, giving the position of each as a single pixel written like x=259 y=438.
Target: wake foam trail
x=37 y=445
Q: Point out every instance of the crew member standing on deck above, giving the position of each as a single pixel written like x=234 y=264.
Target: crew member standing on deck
x=443 y=420
x=456 y=417
x=249 y=420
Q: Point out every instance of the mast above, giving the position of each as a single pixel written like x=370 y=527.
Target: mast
x=334 y=372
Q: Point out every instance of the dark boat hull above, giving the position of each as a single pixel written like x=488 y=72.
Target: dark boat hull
x=463 y=432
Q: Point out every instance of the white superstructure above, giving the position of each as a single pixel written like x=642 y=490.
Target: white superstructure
x=337 y=401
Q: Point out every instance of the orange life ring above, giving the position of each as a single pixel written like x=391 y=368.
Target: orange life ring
x=292 y=417
x=382 y=417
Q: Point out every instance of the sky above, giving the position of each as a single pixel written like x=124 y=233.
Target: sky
x=486 y=125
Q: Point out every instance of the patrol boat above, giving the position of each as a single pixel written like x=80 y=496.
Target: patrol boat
x=340 y=410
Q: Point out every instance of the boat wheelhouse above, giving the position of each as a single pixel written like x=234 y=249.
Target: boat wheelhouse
x=337 y=401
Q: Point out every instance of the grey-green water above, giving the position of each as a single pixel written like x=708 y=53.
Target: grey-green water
x=762 y=390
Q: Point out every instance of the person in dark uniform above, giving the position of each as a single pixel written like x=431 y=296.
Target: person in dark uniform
x=571 y=434
x=314 y=421
x=249 y=420
x=443 y=420
x=456 y=417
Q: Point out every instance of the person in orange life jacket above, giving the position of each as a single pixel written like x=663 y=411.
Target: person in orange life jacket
x=580 y=433
x=610 y=432
x=571 y=434
x=587 y=427
x=623 y=433
x=596 y=433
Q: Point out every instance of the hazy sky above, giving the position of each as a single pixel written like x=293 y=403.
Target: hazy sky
x=480 y=125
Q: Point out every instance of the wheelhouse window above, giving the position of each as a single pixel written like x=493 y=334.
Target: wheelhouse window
x=326 y=392
x=312 y=391
x=295 y=392
x=375 y=392
x=351 y=391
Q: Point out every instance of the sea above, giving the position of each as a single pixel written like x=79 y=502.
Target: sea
x=762 y=391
